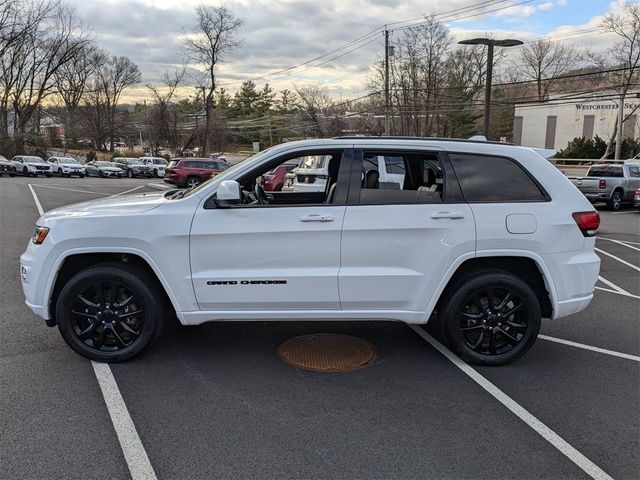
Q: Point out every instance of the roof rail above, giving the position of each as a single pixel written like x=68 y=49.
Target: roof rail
x=426 y=139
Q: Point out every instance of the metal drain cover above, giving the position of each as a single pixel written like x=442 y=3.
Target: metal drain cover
x=327 y=352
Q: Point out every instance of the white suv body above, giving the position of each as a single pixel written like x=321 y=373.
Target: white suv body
x=67 y=166
x=29 y=165
x=225 y=251
x=156 y=164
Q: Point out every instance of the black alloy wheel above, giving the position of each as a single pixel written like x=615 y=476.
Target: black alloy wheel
x=110 y=312
x=491 y=319
x=192 y=182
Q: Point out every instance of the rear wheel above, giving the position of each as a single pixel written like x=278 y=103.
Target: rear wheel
x=491 y=318
x=110 y=312
x=130 y=173
x=615 y=202
x=192 y=182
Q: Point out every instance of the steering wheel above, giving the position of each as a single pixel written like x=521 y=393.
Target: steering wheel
x=261 y=197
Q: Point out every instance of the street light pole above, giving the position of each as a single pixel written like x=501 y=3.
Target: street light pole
x=386 y=82
x=490 y=43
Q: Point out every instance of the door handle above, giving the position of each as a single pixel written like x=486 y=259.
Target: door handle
x=451 y=215
x=316 y=218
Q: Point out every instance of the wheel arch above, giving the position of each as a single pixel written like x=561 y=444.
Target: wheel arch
x=68 y=265
x=522 y=264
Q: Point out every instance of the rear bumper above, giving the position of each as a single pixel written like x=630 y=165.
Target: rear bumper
x=574 y=276
x=597 y=197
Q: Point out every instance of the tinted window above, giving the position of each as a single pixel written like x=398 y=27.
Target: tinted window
x=634 y=172
x=417 y=178
x=193 y=164
x=605 y=171
x=494 y=179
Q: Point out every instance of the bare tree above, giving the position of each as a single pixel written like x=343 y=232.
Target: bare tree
x=542 y=60
x=112 y=78
x=315 y=106
x=624 y=57
x=165 y=118
x=212 y=40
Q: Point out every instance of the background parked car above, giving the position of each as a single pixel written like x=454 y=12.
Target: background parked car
x=274 y=179
x=157 y=165
x=191 y=172
x=7 y=167
x=29 y=165
x=100 y=168
x=610 y=183
x=132 y=167
x=67 y=166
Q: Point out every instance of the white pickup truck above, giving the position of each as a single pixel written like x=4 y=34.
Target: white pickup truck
x=490 y=238
x=613 y=184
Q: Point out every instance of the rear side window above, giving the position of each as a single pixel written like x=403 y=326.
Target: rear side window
x=634 y=172
x=605 y=171
x=494 y=179
x=414 y=178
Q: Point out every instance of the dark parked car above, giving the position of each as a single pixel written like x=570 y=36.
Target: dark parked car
x=7 y=167
x=133 y=167
x=191 y=172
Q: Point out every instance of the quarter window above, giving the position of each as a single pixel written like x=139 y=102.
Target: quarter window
x=494 y=179
x=634 y=172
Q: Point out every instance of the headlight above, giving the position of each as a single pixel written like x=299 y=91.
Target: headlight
x=40 y=234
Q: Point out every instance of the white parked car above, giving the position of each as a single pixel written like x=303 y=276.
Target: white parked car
x=497 y=241
x=67 y=166
x=156 y=164
x=31 y=166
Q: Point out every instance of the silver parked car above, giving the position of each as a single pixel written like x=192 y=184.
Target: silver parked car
x=99 y=168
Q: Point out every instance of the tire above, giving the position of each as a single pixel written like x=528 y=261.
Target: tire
x=48 y=175
x=155 y=173
x=615 y=202
x=192 y=181
x=60 y=172
x=100 y=174
x=25 y=172
x=503 y=341
x=81 y=175
x=91 y=333
x=130 y=173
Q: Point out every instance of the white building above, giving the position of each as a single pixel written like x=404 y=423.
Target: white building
x=559 y=120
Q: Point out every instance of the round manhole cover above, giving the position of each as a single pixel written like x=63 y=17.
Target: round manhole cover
x=327 y=352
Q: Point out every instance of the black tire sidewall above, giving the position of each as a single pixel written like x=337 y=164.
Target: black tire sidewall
x=450 y=322
x=138 y=282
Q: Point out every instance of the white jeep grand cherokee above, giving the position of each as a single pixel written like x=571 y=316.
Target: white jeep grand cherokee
x=483 y=238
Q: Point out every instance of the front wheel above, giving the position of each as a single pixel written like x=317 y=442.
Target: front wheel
x=130 y=173
x=615 y=202
x=491 y=318
x=110 y=312
x=100 y=174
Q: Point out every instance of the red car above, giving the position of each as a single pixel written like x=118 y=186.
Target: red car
x=274 y=179
x=191 y=172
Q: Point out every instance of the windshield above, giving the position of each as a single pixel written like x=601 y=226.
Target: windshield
x=313 y=161
x=159 y=161
x=34 y=160
x=605 y=171
x=67 y=160
x=105 y=164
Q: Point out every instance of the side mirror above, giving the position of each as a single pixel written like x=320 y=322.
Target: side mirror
x=228 y=193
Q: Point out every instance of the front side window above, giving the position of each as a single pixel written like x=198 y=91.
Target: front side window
x=485 y=178
x=390 y=177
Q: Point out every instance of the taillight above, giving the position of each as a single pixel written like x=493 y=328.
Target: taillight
x=588 y=222
x=602 y=184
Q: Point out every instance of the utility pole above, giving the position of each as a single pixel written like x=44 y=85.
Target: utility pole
x=620 y=122
x=386 y=82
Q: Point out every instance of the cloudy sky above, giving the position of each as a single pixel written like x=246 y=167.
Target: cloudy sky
x=281 y=33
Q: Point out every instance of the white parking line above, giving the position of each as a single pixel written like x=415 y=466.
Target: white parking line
x=617 y=293
x=130 y=443
x=545 y=432
x=127 y=191
x=35 y=199
x=160 y=186
x=621 y=243
x=618 y=289
x=623 y=213
x=624 y=262
x=70 y=190
x=132 y=448
x=591 y=348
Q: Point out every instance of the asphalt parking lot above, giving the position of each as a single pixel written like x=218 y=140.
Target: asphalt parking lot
x=214 y=401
